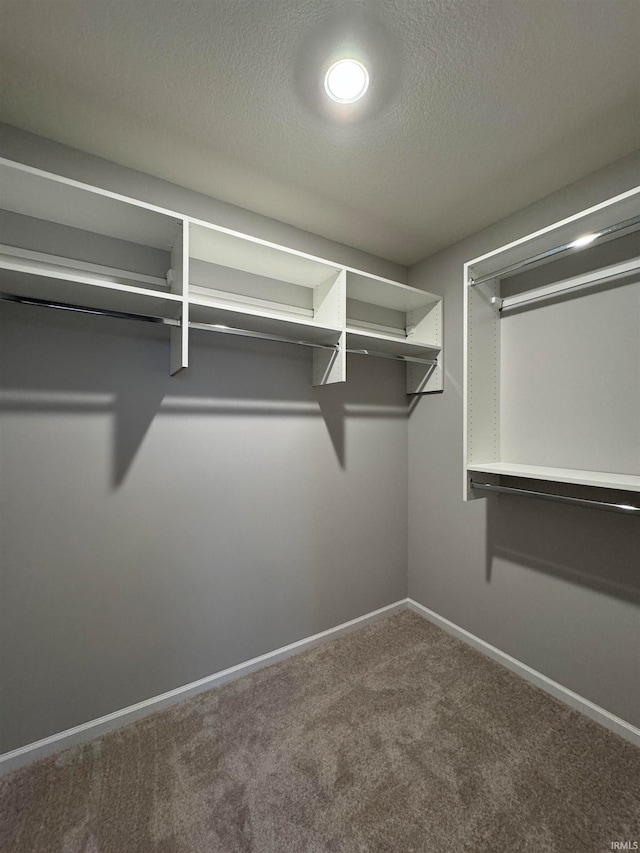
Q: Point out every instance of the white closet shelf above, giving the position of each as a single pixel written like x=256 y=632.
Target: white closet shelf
x=604 y=480
x=236 y=251
x=54 y=198
x=53 y=266
x=257 y=320
x=224 y=299
x=387 y=294
x=392 y=344
x=61 y=283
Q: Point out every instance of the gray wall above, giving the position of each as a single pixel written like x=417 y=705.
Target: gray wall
x=155 y=530
x=556 y=587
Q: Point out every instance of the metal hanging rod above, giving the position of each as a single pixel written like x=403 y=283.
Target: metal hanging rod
x=626 y=509
x=550 y=253
x=206 y=327
x=162 y=321
x=601 y=276
x=410 y=358
x=248 y=333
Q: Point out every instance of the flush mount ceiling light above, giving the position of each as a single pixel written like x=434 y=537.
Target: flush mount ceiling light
x=346 y=81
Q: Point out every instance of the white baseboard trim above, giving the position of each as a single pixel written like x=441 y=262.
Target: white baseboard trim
x=95 y=728
x=595 y=712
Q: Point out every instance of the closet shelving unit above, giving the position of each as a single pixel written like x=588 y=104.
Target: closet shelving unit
x=68 y=244
x=544 y=398
x=239 y=282
x=393 y=318
x=78 y=246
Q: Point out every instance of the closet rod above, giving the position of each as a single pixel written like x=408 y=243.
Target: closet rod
x=600 y=276
x=412 y=358
x=626 y=509
x=248 y=333
x=207 y=327
x=163 y=321
x=534 y=259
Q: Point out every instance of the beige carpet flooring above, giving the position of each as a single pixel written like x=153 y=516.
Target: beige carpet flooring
x=395 y=737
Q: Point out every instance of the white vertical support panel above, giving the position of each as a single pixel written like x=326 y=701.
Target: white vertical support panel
x=481 y=375
x=424 y=378
x=180 y=285
x=424 y=325
x=330 y=309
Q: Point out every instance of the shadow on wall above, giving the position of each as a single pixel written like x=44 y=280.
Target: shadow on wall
x=591 y=547
x=124 y=370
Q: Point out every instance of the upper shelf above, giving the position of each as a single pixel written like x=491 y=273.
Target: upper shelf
x=375 y=290
x=248 y=254
x=53 y=198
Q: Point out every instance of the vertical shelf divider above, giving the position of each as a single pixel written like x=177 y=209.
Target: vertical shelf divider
x=482 y=378
x=425 y=324
x=180 y=285
x=330 y=309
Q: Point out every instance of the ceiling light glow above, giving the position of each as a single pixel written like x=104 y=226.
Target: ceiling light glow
x=583 y=241
x=346 y=81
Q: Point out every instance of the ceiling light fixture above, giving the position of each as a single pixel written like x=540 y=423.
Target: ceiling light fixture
x=346 y=81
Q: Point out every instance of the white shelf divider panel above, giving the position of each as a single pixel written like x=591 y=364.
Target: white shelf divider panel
x=519 y=352
x=329 y=301
x=178 y=279
x=393 y=318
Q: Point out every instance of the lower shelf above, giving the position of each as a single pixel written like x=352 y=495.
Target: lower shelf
x=601 y=479
x=201 y=311
x=89 y=292
x=359 y=339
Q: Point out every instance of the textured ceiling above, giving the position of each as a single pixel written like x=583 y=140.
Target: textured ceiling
x=476 y=108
